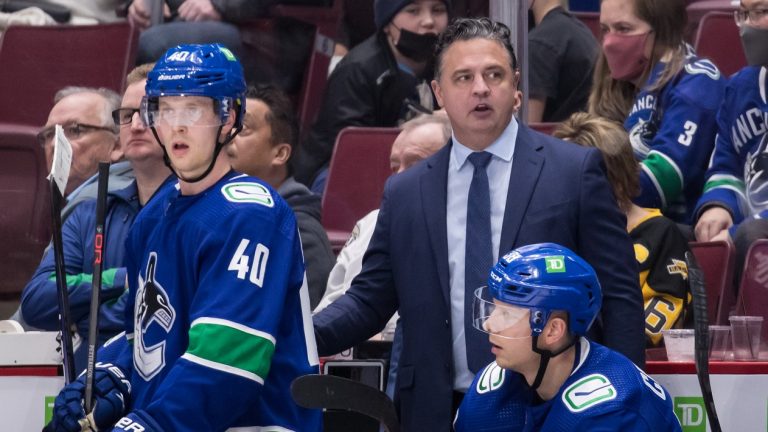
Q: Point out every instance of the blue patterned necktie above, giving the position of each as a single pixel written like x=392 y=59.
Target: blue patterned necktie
x=478 y=257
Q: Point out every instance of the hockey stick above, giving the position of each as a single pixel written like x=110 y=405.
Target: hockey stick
x=98 y=260
x=329 y=391
x=701 y=331
x=61 y=285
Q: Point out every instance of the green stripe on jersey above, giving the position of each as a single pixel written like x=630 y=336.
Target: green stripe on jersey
x=667 y=174
x=220 y=343
x=724 y=181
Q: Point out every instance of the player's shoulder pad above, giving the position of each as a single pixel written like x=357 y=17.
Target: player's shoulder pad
x=244 y=190
x=490 y=379
x=588 y=392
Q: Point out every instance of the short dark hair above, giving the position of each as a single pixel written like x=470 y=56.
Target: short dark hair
x=463 y=29
x=281 y=116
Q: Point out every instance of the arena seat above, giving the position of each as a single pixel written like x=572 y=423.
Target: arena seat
x=716 y=260
x=753 y=291
x=696 y=11
x=37 y=61
x=591 y=20
x=717 y=39
x=356 y=175
x=24 y=208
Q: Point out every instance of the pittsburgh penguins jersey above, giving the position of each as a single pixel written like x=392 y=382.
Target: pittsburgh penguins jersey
x=672 y=131
x=742 y=123
x=660 y=253
x=219 y=317
x=605 y=392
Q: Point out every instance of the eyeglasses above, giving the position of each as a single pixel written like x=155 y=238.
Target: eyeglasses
x=124 y=116
x=72 y=131
x=754 y=15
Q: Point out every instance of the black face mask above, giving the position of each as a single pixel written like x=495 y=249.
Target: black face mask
x=419 y=47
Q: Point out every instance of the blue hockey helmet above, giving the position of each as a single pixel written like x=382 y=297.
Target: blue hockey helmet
x=209 y=70
x=547 y=277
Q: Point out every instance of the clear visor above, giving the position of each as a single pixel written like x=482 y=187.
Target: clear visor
x=496 y=317
x=173 y=111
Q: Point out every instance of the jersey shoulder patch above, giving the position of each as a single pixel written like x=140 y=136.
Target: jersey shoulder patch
x=588 y=392
x=491 y=378
x=704 y=67
x=248 y=192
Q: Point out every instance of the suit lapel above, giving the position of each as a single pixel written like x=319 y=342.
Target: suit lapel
x=434 y=197
x=527 y=163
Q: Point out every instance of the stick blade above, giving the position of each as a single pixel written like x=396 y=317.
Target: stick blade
x=329 y=391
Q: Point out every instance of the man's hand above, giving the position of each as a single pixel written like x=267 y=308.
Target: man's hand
x=198 y=10
x=723 y=235
x=111 y=389
x=139 y=13
x=712 y=222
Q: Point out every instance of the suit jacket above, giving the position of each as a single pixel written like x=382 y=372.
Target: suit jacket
x=558 y=193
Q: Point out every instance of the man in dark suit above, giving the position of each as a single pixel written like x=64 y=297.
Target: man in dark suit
x=535 y=189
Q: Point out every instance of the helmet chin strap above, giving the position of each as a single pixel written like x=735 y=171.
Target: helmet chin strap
x=545 y=356
x=216 y=151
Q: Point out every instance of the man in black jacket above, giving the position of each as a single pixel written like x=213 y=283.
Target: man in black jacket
x=262 y=149
x=377 y=82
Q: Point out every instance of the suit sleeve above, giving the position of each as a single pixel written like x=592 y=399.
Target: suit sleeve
x=371 y=300
x=605 y=244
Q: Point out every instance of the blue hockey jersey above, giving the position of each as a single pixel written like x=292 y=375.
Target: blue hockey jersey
x=672 y=131
x=605 y=392
x=218 y=312
x=742 y=123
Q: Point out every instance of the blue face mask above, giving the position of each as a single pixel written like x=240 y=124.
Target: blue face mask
x=755 y=43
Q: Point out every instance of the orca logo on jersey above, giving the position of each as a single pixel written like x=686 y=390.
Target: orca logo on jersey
x=756 y=177
x=490 y=379
x=152 y=306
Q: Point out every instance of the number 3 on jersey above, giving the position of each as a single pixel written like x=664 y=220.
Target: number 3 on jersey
x=242 y=264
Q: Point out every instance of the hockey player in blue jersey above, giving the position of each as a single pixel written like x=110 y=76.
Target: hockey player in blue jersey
x=218 y=322
x=734 y=205
x=539 y=303
x=650 y=80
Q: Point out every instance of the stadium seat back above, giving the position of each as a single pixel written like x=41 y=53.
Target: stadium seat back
x=717 y=39
x=716 y=260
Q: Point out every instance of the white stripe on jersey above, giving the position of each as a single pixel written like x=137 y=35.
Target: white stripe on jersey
x=223 y=367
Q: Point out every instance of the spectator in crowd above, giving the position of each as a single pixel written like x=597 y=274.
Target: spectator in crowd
x=85 y=114
x=88 y=11
x=379 y=83
x=548 y=376
x=660 y=247
x=648 y=78
x=734 y=206
x=562 y=53
x=263 y=149
x=497 y=185
x=39 y=304
x=217 y=21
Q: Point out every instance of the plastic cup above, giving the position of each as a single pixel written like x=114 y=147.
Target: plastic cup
x=719 y=342
x=745 y=334
x=679 y=344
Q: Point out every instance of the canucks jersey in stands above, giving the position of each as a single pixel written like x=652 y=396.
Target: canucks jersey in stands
x=219 y=316
x=605 y=392
x=737 y=161
x=672 y=131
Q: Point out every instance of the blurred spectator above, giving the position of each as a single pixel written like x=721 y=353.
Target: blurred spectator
x=734 y=206
x=39 y=305
x=659 y=245
x=562 y=53
x=585 y=5
x=85 y=115
x=216 y=21
x=88 y=11
x=648 y=78
x=263 y=149
x=379 y=83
